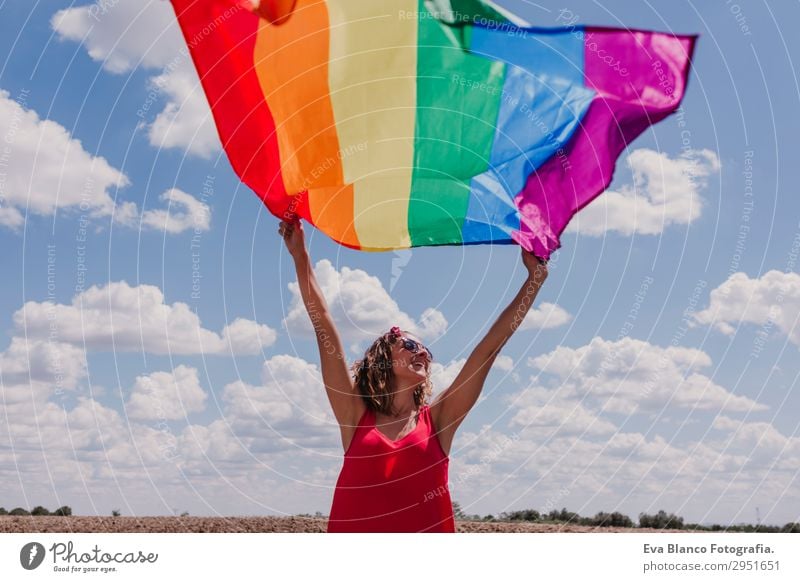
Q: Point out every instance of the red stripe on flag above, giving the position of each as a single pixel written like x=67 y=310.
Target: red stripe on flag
x=221 y=36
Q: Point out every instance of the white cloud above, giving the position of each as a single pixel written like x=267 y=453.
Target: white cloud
x=86 y=446
x=11 y=217
x=43 y=361
x=216 y=442
x=167 y=395
x=556 y=453
x=185 y=121
x=184 y=212
x=361 y=307
x=126 y=214
x=542 y=410
x=46 y=169
x=630 y=375
x=665 y=191
x=124 y=318
x=442 y=375
x=245 y=336
x=545 y=316
x=125 y=35
x=32 y=370
x=133 y=34
x=505 y=363
x=773 y=300
x=757 y=441
x=289 y=409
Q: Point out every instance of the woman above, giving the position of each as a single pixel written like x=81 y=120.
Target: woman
x=396 y=444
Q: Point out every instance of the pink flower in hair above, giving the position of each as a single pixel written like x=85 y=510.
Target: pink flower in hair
x=395 y=331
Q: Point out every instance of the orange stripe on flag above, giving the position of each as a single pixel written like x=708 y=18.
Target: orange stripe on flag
x=332 y=209
x=291 y=61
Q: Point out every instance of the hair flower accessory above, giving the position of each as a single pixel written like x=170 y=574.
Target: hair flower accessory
x=395 y=331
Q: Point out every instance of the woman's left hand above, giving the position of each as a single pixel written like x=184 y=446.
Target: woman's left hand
x=537 y=268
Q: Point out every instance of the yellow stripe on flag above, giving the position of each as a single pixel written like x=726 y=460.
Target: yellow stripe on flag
x=372 y=78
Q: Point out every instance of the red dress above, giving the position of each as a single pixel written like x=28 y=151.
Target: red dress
x=393 y=486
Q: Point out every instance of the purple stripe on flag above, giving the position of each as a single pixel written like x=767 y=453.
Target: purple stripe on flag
x=640 y=78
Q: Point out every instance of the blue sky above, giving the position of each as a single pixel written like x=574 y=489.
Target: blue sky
x=155 y=358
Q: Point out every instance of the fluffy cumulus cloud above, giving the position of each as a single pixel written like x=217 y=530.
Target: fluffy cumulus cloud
x=629 y=375
x=122 y=35
x=771 y=301
x=551 y=411
x=32 y=370
x=127 y=34
x=167 y=395
x=545 y=316
x=757 y=442
x=95 y=456
x=288 y=410
x=122 y=317
x=504 y=363
x=507 y=366
x=55 y=428
x=361 y=307
x=556 y=453
x=45 y=169
x=665 y=191
x=557 y=446
x=183 y=212
x=276 y=448
x=52 y=426
x=185 y=122
x=87 y=455
x=442 y=375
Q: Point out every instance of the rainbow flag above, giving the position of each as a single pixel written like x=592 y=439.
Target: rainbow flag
x=390 y=124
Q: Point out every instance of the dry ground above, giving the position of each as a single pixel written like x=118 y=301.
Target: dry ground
x=86 y=524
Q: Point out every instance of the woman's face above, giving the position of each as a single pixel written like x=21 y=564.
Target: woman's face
x=408 y=365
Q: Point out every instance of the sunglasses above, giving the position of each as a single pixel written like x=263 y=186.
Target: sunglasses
x=415 y=347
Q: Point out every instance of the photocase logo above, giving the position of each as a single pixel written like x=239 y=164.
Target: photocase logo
x=32 y=555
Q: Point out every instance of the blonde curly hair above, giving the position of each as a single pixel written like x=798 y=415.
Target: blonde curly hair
x=373 y=376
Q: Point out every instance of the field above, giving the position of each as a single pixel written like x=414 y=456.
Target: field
x=191 y=524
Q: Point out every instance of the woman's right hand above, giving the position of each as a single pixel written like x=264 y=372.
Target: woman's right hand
x=292 y=233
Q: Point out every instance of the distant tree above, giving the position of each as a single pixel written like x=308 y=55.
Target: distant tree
x=115 y=513
x=791 y=527
x=661 y=520
x=522 y=515
x=185 y=514
x=615 y=519
x=64 y=510
x=39 y=510
x=565 y=516
x=3 y=511
x=19 y=511
x=458 y=513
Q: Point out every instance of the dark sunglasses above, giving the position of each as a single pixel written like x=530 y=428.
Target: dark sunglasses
x=414 y=347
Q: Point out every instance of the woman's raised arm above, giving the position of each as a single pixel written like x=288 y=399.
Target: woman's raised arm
x=451 y=406
x=339 y=385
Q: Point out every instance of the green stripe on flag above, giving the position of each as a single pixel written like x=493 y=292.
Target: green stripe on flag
x=458 y=100
x=465 y=12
